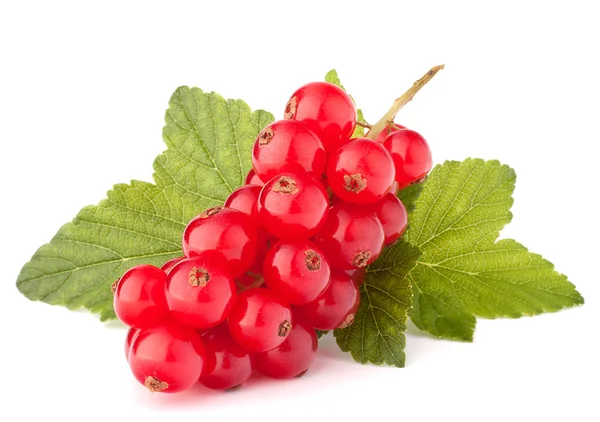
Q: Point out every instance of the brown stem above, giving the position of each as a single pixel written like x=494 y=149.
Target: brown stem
x=401 y=102
x=364 y=124
x=255 y=284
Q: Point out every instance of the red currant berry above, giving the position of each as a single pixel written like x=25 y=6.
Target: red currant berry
x=352 y=237
x=245 y=199
x=361 y=172
x=287 y=146
x=131 y=335
x=227 y=365
x=167 y=358
x=336 y=307
x=253 y=179
x=392 y=215
x=411 y=155
x=293 y=206
x=230 y=232
x=293 y=357
x=326 y=109
x=387 y=130
x=167 y=266
x=357 y=275
x=259 y=321
x=296 y=270
x=139 y=299
x=200 y=291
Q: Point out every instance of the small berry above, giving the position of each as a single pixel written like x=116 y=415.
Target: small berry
x=167 y=266
x=200 y=291
x=388 y=130
x=411 y=155
x=253 y=179
x=293 y=357
x=131 y=335
x=139 y=299
x=287 y=146
x=357 y=275
x=296 y=270
x=336 y=307
x=352 y=236
x=392 y=215
x=259 y=321
x=168 y=358
x=230 y=232
x=326 y=109
x=361 y=172
x=245 y=199
x=227 y=366
x=293 y=206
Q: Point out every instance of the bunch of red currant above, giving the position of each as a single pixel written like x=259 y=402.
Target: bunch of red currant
x=283 y=257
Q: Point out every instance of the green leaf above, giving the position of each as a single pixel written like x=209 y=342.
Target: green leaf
x=332 y=77
x=463 y=271
x=410 y=194
x=208 y=142
x=321 y=333
x=377 y=334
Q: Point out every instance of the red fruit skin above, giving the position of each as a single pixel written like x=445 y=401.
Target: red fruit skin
x=200 y=306
x=287 y=146
x=388 y=130
x=293 y=357
x=229 y=232
x=296 y=214
x=139 y=299
x=411 y=155
x=351 y=238
x=327 y=110
x=392 y=215
x=131 y=335
x=245 y=199
x=296 y=270
x=336 y=307
x=227 y=365
x=170 y=353
x=260 y=320
x=253 y=179
x=360 y=172
x=167 y=266
x=357 y=275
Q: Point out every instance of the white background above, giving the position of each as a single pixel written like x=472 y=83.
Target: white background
x=83 y=90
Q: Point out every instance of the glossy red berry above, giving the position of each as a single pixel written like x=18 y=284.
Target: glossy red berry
x=287 y=146
x=171 y=263
x=259 y=320
x=168 y=358
x=200 y=291
x=293 y=206
x=336 y=307
x=230 y=232
x=326 y=109
x=293 y=357
x=361 y=172
x=227 y=365
x=352 y=236
x=387 y=130
x=392 y=215
x=411 y=155
x=296 y=270
x=139 y=297
x=131 y=335
x=245 y=199
x=253 y=179
x=357 y=275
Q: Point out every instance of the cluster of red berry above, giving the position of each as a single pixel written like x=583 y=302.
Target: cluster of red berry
x=284 y=256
